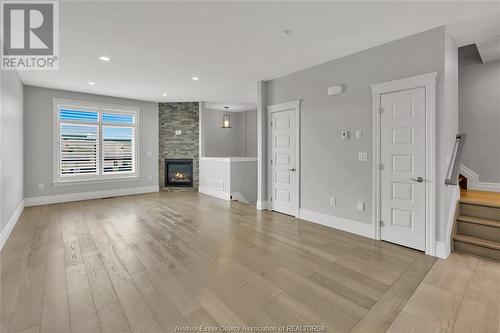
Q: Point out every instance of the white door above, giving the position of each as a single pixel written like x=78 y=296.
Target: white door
x=402 y=149
x=284 y=166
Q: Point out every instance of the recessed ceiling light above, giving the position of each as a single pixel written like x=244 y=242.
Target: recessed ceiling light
x=104 y=58
x=91 y=83
x=195 y=78
x=164 y=94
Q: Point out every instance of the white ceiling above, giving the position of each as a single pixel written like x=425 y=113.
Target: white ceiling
x=233 y=107
x=156 y=47
x=483 y=31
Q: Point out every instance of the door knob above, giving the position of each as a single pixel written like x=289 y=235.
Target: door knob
x=418 y=179
x=291 y=169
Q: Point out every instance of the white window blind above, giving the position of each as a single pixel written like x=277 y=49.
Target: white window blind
x=79 y=149
x=118 y=149
x=94 y=142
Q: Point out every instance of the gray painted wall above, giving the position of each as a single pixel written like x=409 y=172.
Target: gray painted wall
x=244 y=180
x=479 y=86
x=38 y=160
x=251 y=133
x=238 y=141
x=329 y=166
x=11 y=145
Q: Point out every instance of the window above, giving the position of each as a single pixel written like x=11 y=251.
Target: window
x=94 y=141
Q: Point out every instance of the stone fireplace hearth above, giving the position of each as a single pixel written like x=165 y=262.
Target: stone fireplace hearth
x=179 y=140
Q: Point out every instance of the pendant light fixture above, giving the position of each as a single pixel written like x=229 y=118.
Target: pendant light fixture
x=226 y=122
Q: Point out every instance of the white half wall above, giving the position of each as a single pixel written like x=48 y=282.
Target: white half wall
x=229 y=178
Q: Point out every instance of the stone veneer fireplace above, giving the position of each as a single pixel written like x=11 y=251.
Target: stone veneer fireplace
x=179 y=139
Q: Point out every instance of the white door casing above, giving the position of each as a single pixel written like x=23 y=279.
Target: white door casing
x=404 y=146
x=402 y=155
x=284 y=161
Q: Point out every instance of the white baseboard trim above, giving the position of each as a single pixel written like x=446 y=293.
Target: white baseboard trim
x=4 y=235
x=354 y=227
x=52 y=199
x=474 y=183
x=215 y=193
x=441 y=250
x=261 y=205
x=239 y=197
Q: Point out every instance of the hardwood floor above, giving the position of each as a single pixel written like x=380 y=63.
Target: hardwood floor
x=148 y=263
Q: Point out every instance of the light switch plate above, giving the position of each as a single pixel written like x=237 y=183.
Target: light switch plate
x=363 y=156
x=41 y=186
x=359 y=134
x=360 y=205
x=333 y=201
x=178 y=132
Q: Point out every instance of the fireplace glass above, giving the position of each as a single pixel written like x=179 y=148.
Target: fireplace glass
x=179 y=172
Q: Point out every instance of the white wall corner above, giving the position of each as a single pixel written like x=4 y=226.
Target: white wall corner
x=52 y=199
x=443 y=249
x=261 y=205
x=4 y=235
x=354 y=227
x=215 y=193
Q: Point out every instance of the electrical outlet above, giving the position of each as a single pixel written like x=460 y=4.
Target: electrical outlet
x=363 y=156
x=360 y=205
x=41 y=186
x=178 y=132
x=359 y=134
x=333 y=201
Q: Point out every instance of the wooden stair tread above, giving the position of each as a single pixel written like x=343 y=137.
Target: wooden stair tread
x=477 y=241
x=477 y=220
x=480 y=198
x=479 y=203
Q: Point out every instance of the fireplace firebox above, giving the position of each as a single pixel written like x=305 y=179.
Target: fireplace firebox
x=179 y=172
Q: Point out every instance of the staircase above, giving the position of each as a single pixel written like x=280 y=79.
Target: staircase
x=477 y=227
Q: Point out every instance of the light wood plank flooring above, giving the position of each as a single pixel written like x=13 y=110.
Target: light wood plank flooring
x=459 y=294
x=148 y=263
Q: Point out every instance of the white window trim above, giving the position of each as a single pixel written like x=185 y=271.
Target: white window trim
x=100 y=107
